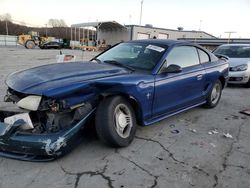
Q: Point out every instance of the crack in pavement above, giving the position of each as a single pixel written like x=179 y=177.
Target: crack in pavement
x=170 y=154
x=240 y=166
x=245 y=153
x=1 y=161
x=227 y=155
x=140 y=167
x=91 y=173
x=201 y=170
x=34 y=178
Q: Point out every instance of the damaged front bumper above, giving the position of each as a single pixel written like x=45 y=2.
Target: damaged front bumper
x=25 y=146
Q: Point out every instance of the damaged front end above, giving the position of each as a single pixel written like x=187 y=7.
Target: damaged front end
x=45 y=128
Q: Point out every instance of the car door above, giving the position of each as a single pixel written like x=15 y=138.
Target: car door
x=176 y=91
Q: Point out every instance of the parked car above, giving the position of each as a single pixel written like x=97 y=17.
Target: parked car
x=239 y=54
x=136 y=82
x=51 y=45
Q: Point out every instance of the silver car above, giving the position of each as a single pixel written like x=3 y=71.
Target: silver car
x=239 y=62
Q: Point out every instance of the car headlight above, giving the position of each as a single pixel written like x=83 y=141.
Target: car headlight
x=242 y=67
x=31 y=102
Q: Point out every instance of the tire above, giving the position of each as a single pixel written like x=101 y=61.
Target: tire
x=214 y=95
x=115 y=121
x=30 y=44
x=248 y=84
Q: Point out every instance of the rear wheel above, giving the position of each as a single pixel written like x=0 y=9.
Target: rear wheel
x=115 y=121
x=215 y=95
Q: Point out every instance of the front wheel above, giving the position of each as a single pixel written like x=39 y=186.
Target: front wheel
x=214 y=95
x=30 y=44
x=115 y=121
x=248 y=84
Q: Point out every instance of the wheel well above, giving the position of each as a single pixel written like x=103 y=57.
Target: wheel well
x=132 y=101
x=223 y=81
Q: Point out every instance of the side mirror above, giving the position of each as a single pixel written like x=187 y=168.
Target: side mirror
x=172 y=69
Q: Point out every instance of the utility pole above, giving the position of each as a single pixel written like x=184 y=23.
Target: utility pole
x=70 y=32
x=200 y=25
x=229 y=35
x=141 y=11
x=46 y=30
x=6 y=24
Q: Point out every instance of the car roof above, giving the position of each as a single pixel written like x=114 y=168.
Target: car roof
x=162 y=41
x=235 y=45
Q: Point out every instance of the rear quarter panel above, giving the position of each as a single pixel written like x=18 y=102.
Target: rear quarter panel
x=217 y=69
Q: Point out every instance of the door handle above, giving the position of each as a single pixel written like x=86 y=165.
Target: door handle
x=199 y=77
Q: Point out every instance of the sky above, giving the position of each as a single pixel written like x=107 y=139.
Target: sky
x=212 y=16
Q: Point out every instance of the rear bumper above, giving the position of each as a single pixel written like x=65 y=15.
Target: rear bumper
x=38 y=147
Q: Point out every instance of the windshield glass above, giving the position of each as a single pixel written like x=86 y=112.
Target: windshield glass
x=135 y=55
x=234 y=51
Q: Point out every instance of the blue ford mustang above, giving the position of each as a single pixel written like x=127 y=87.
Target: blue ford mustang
x=136 y=82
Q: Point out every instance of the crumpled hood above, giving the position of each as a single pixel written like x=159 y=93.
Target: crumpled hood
x=42 y=79
x=238 y=61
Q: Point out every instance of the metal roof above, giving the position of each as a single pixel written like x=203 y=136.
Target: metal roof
x=108 y=25
x=217 y=41
x=160 y=41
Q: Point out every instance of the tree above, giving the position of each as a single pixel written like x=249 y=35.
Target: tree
x=5 y=17
x=57 y=23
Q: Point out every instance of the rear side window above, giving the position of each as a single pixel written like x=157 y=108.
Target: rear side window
x=184 y=56
x=204 y=58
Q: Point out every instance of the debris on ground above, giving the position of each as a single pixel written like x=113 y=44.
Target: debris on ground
x=215 y=131
x=63 y=58
x=172 y=126
x=246 y=112
x=175 y=131
x=227 y=135
x=193 y=130
x=213 y=145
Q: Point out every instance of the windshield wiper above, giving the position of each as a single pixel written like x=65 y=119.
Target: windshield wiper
x=113 y=62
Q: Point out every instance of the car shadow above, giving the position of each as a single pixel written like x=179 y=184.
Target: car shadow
x=237 y=86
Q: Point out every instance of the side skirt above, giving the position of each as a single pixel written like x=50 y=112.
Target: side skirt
x=154 y=120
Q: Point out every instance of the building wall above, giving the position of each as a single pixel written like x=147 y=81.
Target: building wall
x=113 y=36
x=172 y=34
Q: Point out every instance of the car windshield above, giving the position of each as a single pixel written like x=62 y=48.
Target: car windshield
x=234 y=51
x=134 y=55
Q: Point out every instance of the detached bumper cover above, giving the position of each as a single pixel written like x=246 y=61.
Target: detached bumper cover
x=38 y=147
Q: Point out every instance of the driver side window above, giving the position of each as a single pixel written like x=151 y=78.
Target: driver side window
x=184 y=56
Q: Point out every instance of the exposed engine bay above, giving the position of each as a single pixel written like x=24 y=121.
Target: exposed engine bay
x=47 y=116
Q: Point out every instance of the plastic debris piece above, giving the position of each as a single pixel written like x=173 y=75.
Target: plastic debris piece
x=213 y=145
x=172 y=126
x=215 y=131
x=175 y=131
x=193 y=130
x=65 y=58
x=246 y=112
x=227 y=135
